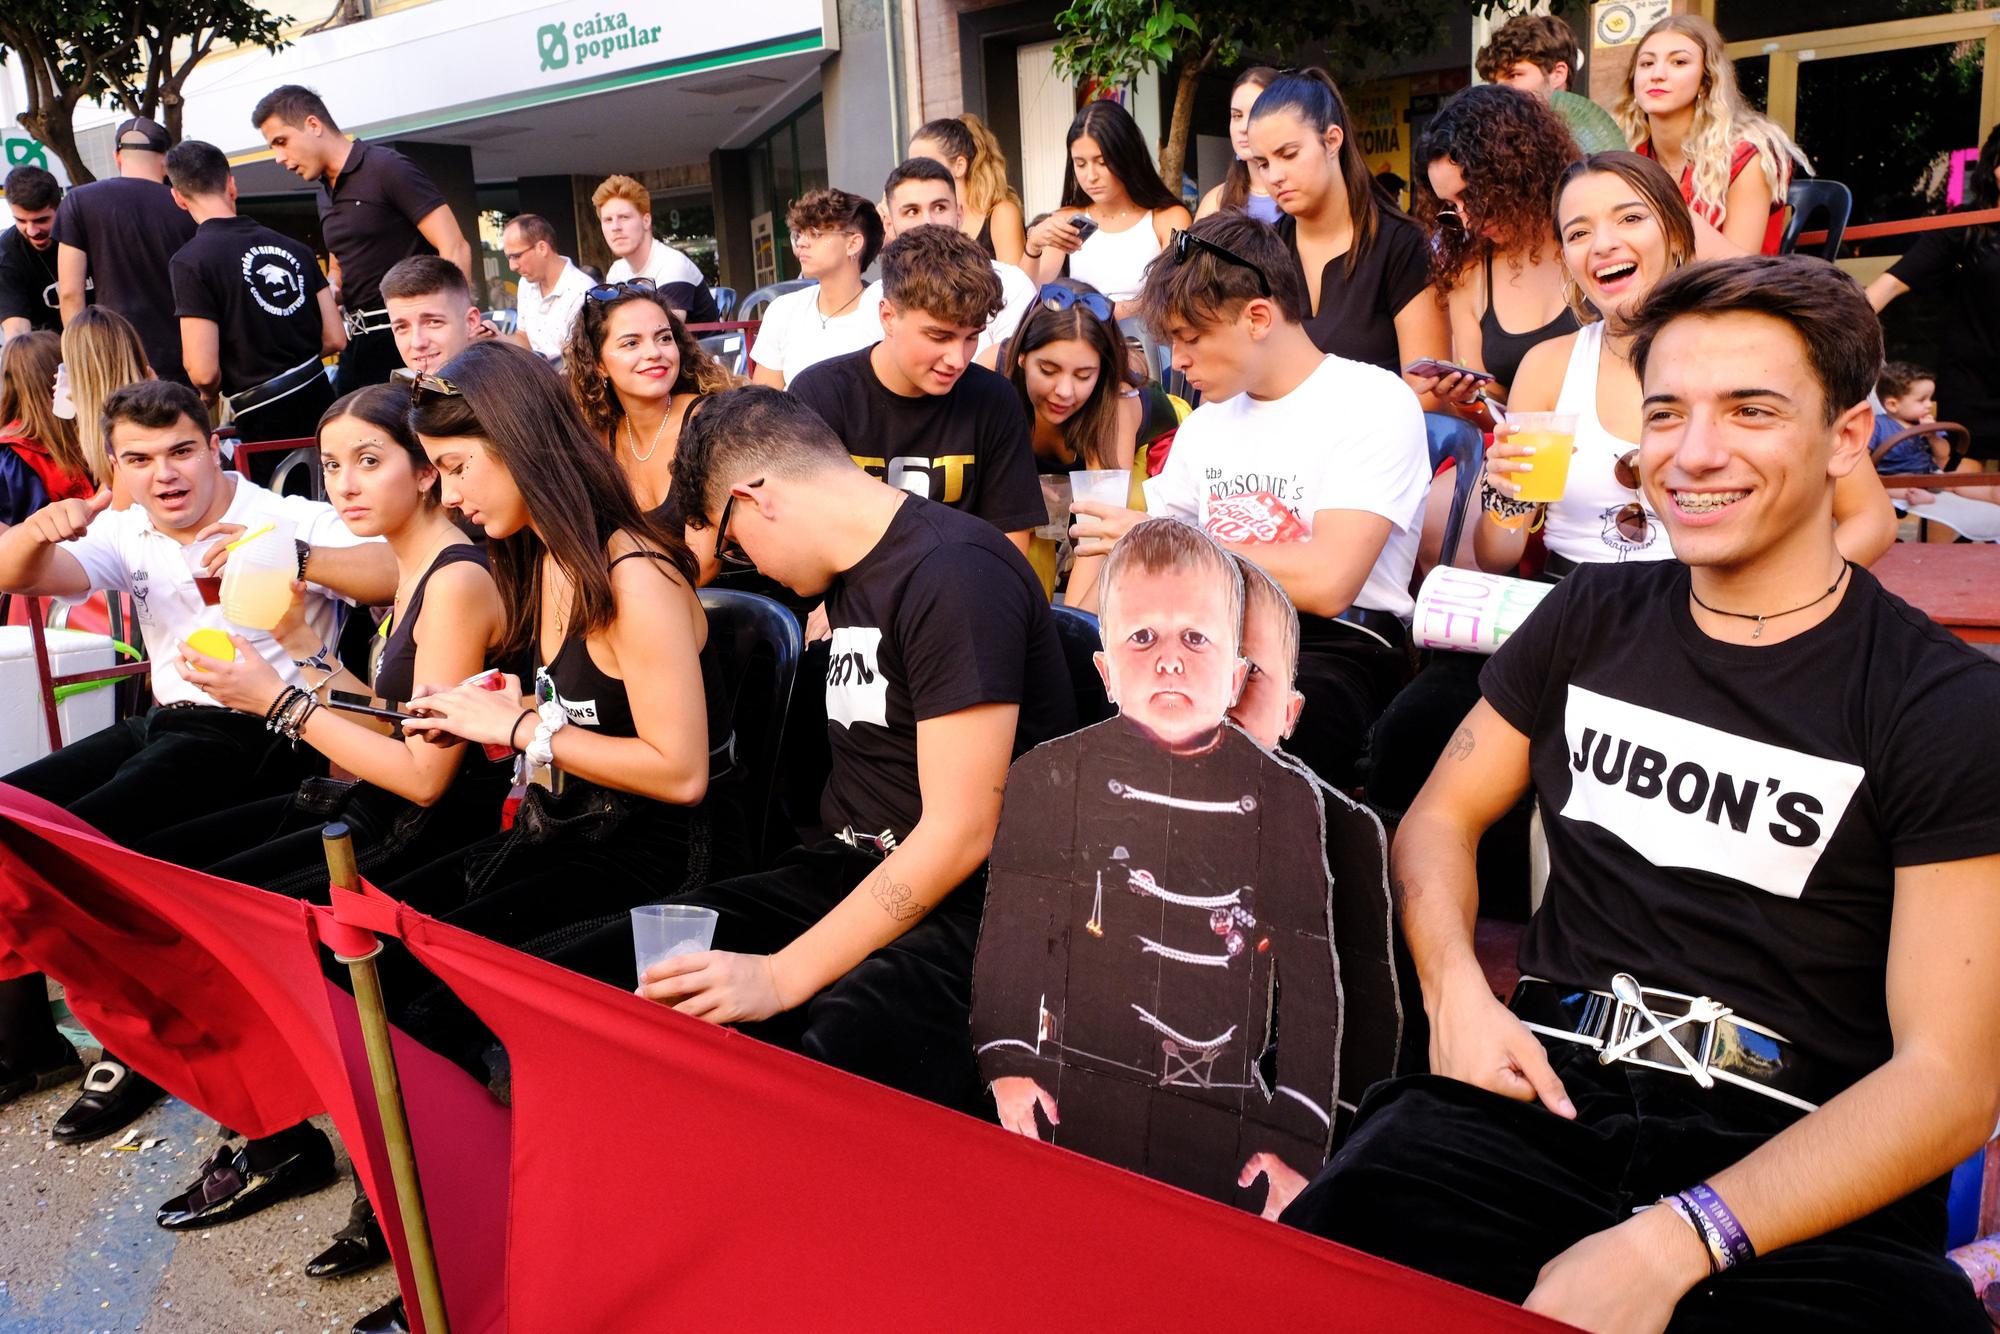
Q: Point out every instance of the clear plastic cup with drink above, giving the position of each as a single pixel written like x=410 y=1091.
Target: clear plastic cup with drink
x=1552 y=438
x=664 y=930
x=196 y=554
x=1101 y=486
x=257 y=581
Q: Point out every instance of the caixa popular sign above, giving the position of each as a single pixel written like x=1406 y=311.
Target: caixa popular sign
x=19 y=149
x=597 y=38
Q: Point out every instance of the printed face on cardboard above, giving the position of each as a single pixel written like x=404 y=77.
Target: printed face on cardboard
x=1170 y=660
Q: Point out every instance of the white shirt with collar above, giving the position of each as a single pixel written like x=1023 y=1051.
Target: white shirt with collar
x=545 y=319
x=123 y=552
x=1017 y=293
x=664 y=265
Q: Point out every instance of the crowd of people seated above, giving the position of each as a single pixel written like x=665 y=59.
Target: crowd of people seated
x=1762 y=780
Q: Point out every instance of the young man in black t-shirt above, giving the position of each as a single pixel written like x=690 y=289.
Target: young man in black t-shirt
x=914 y=409
x=945 y=666
x=256 y=313
x=28 y=299
x=1768 y=788
x=118 y=235
x=375 y=207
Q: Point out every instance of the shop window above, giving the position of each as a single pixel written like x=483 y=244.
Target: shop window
x=1753 y=20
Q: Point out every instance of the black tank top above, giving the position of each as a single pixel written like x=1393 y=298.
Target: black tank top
x=395 y=672
x=1503 y=352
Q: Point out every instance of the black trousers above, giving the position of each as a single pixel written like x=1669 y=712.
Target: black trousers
x=133 y=780
x=366 y=360
x=1347 y=680
x=1483 y=1191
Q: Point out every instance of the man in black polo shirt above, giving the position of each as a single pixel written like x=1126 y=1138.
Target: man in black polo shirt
x=375 y=207
x=256 y=312
x=120 y=233
x=28 y=298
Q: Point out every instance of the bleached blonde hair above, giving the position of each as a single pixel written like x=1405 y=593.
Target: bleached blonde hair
x=1722 y=119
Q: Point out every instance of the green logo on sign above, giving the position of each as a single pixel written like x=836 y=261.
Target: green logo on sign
x=26 y=153
x=554 y=43
x=599 y=37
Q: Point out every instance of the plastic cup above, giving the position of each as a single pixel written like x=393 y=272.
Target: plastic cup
x=196 y=554
x=663 y=930
x=1101 y=486
x=1552 y=436
x=257 y=581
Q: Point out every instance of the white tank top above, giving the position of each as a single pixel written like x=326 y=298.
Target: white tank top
x=1582 y=525
x=1115 y=262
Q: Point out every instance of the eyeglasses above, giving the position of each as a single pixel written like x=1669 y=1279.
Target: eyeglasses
x=808 y=235
x=630 y=287
x=726 y=552
x=1630 y=520
x=1056 y=297
x=423 y=382
x=1186 y=243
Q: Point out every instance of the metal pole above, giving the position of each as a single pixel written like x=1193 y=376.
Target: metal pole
x=389 y=1094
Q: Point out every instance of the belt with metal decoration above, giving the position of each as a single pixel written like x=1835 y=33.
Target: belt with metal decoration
x=881 y=844
x=361 y=322
x=282 y=385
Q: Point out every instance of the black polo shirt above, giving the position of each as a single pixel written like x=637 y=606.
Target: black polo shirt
x=369 y=219
x=130 y=228
x=260 y=288
x=28 y=282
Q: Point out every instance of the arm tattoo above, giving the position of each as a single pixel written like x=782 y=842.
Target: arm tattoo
x=1404 y=891
x=1462 y=743
x=896 y=900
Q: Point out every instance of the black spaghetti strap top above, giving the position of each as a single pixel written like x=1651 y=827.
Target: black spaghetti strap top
x=1503 y=352
x=985 y=238
x=395 y=672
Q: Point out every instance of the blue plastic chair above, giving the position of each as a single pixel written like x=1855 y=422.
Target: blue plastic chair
x=1459 y=440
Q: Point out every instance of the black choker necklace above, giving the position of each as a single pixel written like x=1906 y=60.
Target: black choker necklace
x=1761 y=617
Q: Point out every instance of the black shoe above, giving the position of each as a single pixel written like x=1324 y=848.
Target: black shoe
x=19 y=1083
x=236 y=1183
x=114 y=1096
x=390 y=1319
x=356 y=1247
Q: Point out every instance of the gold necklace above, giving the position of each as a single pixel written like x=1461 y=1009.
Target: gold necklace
x=632 y=436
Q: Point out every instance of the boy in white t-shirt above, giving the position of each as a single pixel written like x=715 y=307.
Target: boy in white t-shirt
x=836 y=235
x=1313 y=466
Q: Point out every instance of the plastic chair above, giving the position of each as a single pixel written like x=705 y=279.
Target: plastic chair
x=1459 y=440
x=1808 y=197
x=752 y=306
x=725 y=302
x=760 y=645
x=728 y=349
x=1077 y=632
x=288 y=466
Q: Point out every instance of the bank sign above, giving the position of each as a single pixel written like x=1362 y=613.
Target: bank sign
x=598 y=37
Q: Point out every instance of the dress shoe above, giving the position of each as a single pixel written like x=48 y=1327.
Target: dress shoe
x=390 y=1319
x=236 y=1183
x=18 y=1083
x=356 y=1247
x=114 y=1096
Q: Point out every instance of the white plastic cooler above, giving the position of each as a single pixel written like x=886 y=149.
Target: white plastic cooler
x=24 y=729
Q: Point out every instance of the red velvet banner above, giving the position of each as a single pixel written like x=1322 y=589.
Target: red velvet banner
x=654 y=1170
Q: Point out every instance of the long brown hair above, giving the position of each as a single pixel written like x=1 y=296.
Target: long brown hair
x=1649 y=180
x=27 y=376
x=1236 y=182
x=1311 y=95
x=583 y=359
x=576 y=496
x=1089 y=431
x=104 y=354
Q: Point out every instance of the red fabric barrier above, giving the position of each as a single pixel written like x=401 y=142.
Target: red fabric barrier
x=656 y=1170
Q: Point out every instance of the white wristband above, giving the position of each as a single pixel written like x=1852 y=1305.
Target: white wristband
x=541 y=749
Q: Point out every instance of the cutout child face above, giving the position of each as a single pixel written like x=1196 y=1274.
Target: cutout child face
x=1268 y=708
x=1169 y=659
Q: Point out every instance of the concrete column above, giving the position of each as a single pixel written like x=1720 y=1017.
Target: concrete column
x=729 y=191
x=555 y=199
x=858 y=97
x=450 y=168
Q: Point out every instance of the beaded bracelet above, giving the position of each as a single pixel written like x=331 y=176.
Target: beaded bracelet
x=278 y=706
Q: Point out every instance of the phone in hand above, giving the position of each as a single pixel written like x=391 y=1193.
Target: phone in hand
x=1430 y=368
x=348 y=701
x=1083 y=224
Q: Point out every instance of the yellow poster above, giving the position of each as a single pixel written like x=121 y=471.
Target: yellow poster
x=1381 y=116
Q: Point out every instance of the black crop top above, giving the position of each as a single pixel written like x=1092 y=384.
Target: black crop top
x=1502 y=351
x=395 y=672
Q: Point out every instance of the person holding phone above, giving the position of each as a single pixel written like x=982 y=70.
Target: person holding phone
x=1116 y=213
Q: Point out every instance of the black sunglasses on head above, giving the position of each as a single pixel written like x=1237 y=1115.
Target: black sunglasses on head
x=1186 y=243
x=630 y=287
x=423 y=382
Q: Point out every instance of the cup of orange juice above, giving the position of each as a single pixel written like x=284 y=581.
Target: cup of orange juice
x=257 y=581
x=1552 y=437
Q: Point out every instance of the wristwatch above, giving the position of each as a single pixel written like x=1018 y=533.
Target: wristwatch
x=305 y=554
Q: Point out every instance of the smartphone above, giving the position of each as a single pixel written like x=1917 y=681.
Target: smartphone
x=350 y=702
x=1432 y=369
x=1084 y=225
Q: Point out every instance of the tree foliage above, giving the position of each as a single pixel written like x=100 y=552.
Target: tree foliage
x=135 y=55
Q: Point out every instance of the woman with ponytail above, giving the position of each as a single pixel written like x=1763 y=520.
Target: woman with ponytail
x=990 y=210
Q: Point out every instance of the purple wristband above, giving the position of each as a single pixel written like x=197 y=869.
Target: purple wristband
x=1720 y=1224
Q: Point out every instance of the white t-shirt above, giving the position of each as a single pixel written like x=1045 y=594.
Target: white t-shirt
x=793 y=337
x=664 y=265
x=546 y=319
x=1351 y=437
x=1017 y=293
x=123 y=552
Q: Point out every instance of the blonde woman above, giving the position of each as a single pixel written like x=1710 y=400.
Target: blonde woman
x=1682 y=108
x=101 y=354
x=39 y=457
x=991 y=210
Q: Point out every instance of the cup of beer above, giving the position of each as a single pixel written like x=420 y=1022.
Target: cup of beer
x=1552 y=437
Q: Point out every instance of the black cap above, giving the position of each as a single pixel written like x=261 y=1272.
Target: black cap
x=143 y=134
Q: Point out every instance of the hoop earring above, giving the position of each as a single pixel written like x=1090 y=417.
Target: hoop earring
x=1573 y=297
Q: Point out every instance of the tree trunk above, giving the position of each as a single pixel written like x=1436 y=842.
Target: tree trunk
x=1175 y=153
x=52 y=125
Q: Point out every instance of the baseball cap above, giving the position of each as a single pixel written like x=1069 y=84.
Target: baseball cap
x=144 y=134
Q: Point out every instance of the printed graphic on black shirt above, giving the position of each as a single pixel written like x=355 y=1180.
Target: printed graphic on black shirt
x=276 y=279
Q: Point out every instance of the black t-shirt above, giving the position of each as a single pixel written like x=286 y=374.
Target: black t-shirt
x=940 y=615
x=369 y=219
x=28 y=282
x=1962 y=271
x=130 y=229
x=1726 y=820
x=696 y=300
x=259 y=288
x=969 y=448
x=1357 y=311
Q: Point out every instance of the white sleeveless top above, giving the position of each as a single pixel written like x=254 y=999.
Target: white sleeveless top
x=1115 y=262
x=1581 y=526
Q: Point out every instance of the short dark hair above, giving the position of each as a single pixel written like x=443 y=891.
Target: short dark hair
x=1899 y=378
x=943 y=272
x=197 y=169
x=826 y=210
x=425 y=275
x=752 y=429
x=918 y=169
x=1822 y=305
x=534 y=229
x=33 y=188
x=1543 y=39
x=153 y=404
x=1207 y=289
x=291 y=104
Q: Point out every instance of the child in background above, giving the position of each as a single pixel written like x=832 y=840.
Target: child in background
x=1908 y=395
